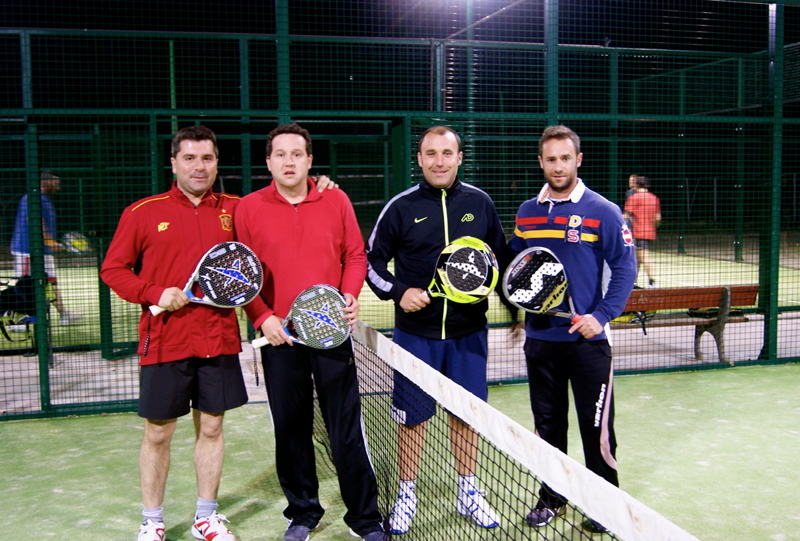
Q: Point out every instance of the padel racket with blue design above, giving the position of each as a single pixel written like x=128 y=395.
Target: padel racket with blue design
x=316 y=319
x=535 y=281
x=228 y=275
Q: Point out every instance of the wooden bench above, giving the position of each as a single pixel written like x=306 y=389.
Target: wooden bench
x=662 y=301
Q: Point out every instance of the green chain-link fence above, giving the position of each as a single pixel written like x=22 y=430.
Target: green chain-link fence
x=702 y=97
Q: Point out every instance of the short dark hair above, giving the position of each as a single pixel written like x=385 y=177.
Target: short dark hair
x=289 y=128
x=560 y=132
x=439 y=130
x=193 y=133
x=642 y=181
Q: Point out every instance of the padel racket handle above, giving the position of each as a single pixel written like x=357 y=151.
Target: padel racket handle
x=155 y=309
x=290 y=337
x=261 y=342
x=576 y=318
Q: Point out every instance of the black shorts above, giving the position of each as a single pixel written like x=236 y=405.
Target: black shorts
x=642 y=244
x=212 y=385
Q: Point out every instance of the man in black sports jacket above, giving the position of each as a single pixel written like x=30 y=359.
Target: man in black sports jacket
x=413 y=229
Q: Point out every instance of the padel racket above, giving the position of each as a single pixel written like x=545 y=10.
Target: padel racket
x=76 y=243
x=316 y=319
x=535 y=281
x=228 y=275
x=466 y=271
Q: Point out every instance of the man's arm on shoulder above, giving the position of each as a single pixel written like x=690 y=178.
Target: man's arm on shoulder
x=324 y=182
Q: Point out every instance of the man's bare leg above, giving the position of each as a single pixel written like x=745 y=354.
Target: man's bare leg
x=410 y=439
x=464 y=441
x=154 y=460
x=471 y=500
x=209 y=452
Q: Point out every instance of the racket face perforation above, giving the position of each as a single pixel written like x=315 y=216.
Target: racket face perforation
x=317 y=316
x=467 y=269
x=230 y=275
x=535 y=281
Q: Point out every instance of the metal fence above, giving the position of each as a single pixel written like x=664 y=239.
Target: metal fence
x=702 y=97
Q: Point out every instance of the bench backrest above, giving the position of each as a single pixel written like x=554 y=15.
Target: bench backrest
x=684 y=298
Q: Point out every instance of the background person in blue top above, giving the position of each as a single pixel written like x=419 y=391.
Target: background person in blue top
x=413 y=229
x=20 y=248
x=591 y=239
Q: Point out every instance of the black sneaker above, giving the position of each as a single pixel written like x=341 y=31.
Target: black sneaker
x=297 y=532
x=542 y=515
x=594 y=526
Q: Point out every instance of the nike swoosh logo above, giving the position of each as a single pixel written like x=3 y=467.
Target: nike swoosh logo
x=418 y=220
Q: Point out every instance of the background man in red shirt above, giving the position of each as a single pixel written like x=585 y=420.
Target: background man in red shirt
x=645 y=209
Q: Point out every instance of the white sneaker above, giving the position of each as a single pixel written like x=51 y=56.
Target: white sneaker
x=68 y=318
x=212 y=528
x=403 y=512
x=472 y=503
x=150 y=530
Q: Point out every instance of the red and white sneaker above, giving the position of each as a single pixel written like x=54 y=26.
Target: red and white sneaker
x=212 y=529
x=150 y=530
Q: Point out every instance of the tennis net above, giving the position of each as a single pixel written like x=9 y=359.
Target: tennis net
x=512 y=463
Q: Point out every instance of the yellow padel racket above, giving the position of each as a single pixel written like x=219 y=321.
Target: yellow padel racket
x=466 y=271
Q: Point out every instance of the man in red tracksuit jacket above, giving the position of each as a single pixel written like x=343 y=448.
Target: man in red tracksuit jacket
x=304 y=238
x=190 y=353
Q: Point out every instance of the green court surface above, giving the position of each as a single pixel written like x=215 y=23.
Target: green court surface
x=713 y=451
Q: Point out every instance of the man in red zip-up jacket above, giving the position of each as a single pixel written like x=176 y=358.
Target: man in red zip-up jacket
x=304 y=238
x=190 y=353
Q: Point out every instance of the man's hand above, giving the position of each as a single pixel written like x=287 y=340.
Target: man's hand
x=273 y=331
x=588 y=326
x=517 y=331
x=414 y=299
x=172 y=299
x=324 y=182
x=351 y=309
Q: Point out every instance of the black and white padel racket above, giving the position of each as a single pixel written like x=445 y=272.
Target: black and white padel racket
x=316 y=319
x=535 y=281
x=228 y=275
x=466 y=271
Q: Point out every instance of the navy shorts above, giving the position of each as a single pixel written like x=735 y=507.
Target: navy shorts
x=462 y=360
x=211 y=385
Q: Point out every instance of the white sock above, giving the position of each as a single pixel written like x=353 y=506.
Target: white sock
x=466 y=482
x=407 y=488
x=156 y=514
x=205 y=508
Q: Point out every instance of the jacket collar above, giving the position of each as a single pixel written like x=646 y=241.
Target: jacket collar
x=574 y=196
x=181 y=197
x=313 y=194
x=437 y=192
